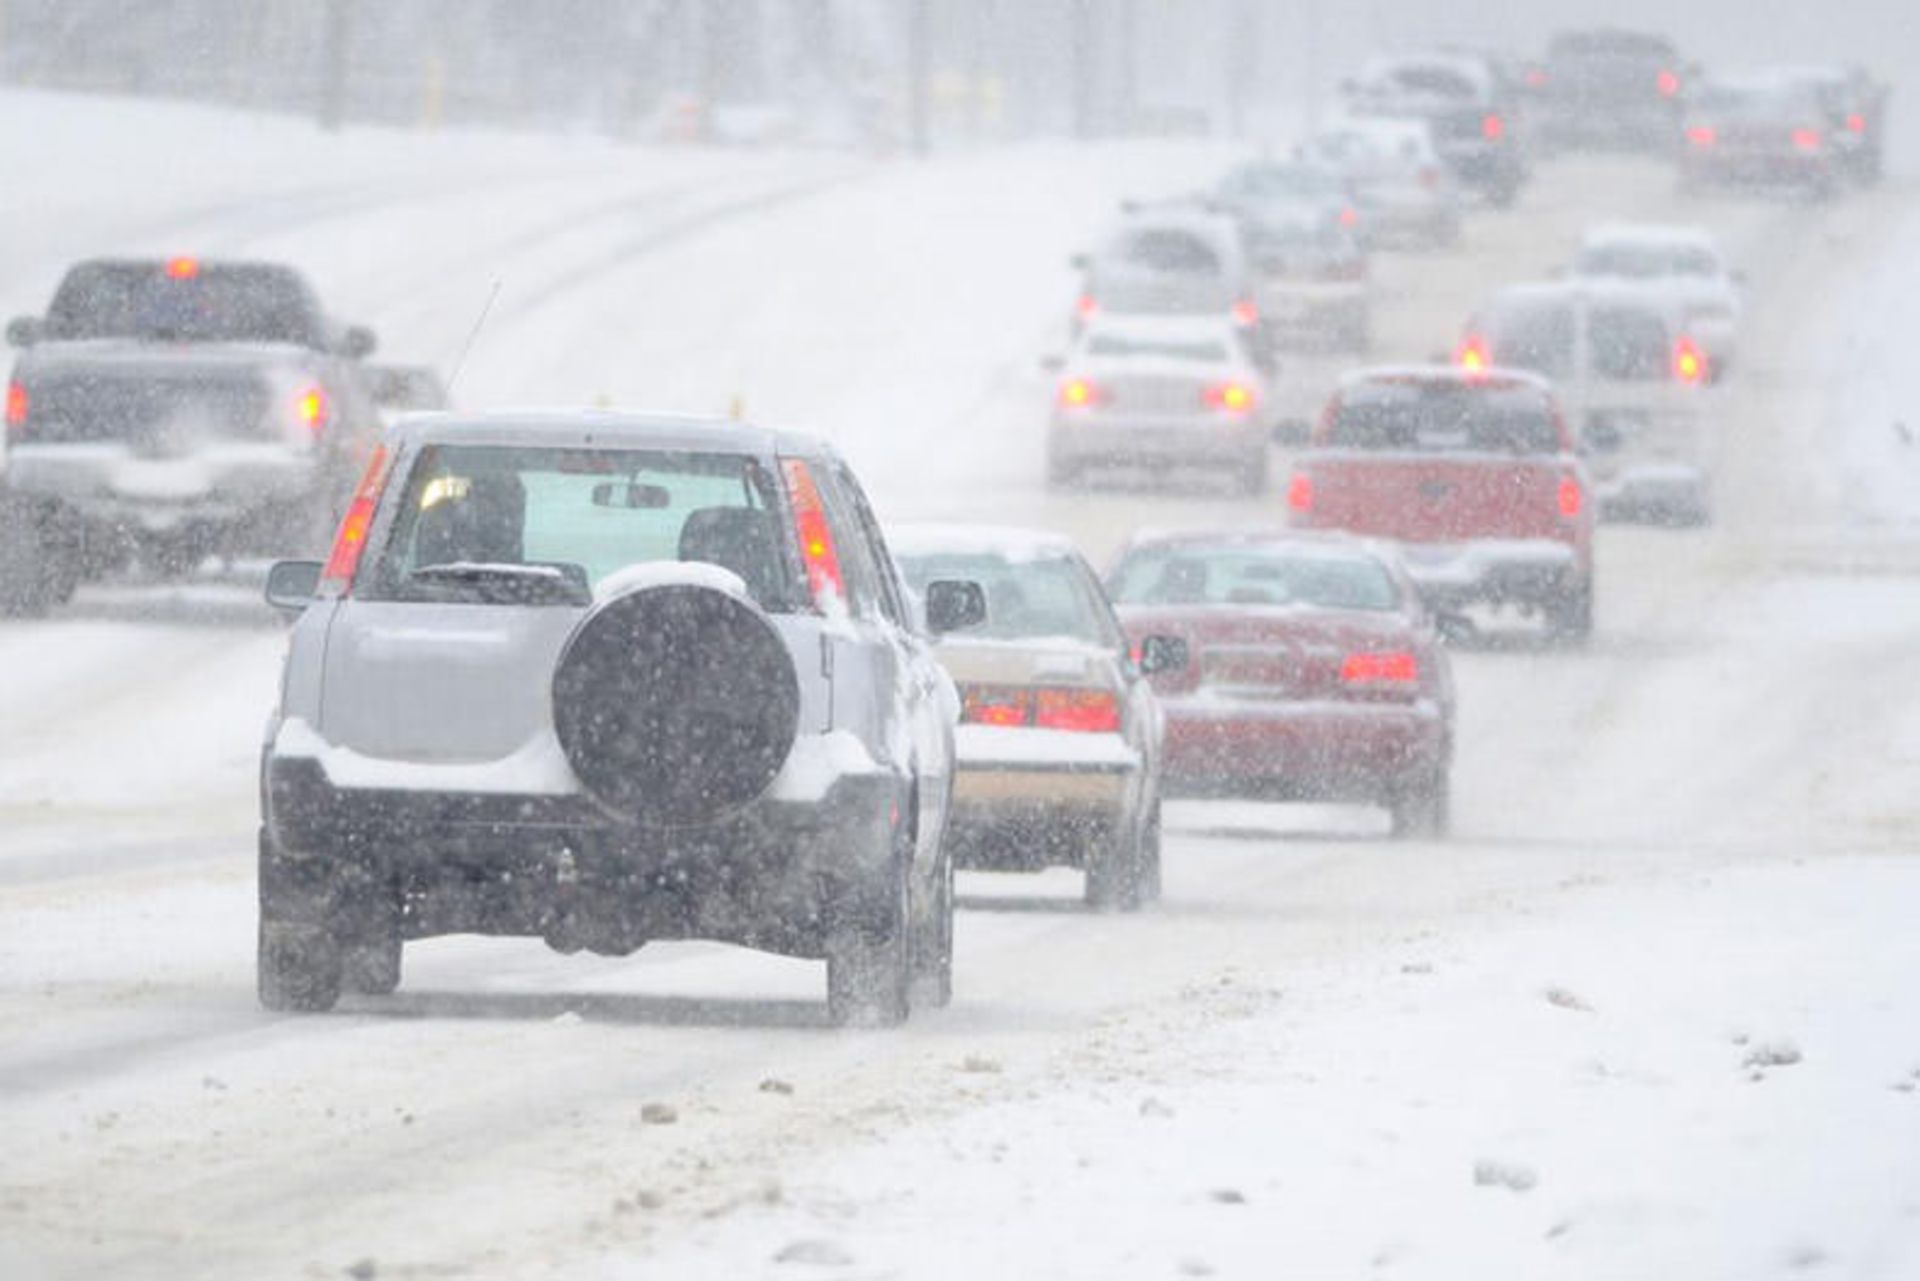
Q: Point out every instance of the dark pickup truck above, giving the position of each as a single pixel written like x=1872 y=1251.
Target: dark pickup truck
x=166 y=410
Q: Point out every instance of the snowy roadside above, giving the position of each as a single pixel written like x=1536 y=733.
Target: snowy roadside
x=1707 y=1075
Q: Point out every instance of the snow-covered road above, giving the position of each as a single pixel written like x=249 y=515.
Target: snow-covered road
x=1521 y=1052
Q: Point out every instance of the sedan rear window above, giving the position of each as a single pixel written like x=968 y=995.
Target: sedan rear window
x=1026 y=599
x=1445 y=417
x=1239 y=575
x=1168 y=250
x=507 y=525
x=1130 y=345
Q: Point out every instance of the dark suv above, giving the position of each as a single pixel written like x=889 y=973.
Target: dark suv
x=163 y=411
x=600 y=680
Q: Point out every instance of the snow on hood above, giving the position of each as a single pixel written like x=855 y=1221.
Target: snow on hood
x=670 y=573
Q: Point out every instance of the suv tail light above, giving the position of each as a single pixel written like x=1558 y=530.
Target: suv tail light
x=1471 y=355
x=1492 y=127
x=1300 y=493
x=1702 y=135
x=1233 y=398
x=815 y=534
x=1856 y=123
x=1571 y=498
x=1807 y=139
x=1668 y=83
x=1371 y=669
x=1689 y=362
x=344 y=562
x=17 y=405
x=995 y=705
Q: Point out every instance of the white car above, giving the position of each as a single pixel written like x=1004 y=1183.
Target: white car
x=1685 y=261
x=1400 y=183
x=1161 y=391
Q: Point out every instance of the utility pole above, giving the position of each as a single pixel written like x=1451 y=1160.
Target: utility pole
x=333 y=71
x=917 y=63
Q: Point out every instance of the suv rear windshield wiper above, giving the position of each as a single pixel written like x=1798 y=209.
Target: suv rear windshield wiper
x=509 y=583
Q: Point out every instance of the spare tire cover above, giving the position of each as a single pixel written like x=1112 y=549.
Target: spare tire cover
x=675 y=703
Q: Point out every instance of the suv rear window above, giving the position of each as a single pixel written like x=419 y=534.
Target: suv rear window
x=498 y=512
x=1167 y=250
x=1627 y=344
x=1533 y=336
x=1187 y=574
x=183 y=302
x=1444 y=417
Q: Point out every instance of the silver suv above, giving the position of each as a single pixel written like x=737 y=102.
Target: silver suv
x=602 y=679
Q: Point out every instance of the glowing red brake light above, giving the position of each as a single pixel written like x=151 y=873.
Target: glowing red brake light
x=1668 y=83
x=1492 y=128
x=1856 y=123
x=1234 y=398
x=1086 y=711
x=182 y=268
x=312 y=407
x=1472 y=354
x=995 y=705
x=351 y=540
x=1399 y=667
x=1245 y=314
x=1807 y=139
x=810 y=526
x=17 y=405
x=1536 y=78
x=1571 y=499
x=1085 y=307
x=1300 y=493
x=1689 y=362
x=1701 y=135
x=1079 y=393
x=1349 y=216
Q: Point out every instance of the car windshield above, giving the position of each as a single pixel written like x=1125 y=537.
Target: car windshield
x=575 y=516
x=184 y=301
x=1648 y=261
x=1243 y=574
x=1445 y=417
x=1107 y=343
x=1027 y=598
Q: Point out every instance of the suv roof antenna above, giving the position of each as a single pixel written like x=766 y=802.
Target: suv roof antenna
x=466 y=348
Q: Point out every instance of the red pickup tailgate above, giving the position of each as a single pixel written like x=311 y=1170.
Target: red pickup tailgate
x=1434 y=498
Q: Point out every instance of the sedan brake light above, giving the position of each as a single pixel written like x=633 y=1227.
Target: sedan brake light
x=1702 y=135
x=183 y=268
x=351 y=540
x=1856 y=123
x=995 y=705
x=1397 y=667
x=1087 y=711
x=1668 y=83
x=1085 y=307
x=1081 y=393
x=1689 y=362
x=1245 y=313
x=312 y=408
x=1234 y=398
x=814 y=532
x=1492 y=127
x=1472 y=354
x=1807 y=139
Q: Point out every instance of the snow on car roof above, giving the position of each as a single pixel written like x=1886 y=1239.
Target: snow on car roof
x=1655 y=294
x=1332 y=543
x=1465 y=65
x=591 y=427
x=1651 y=235
x=1498 y=376
x=1010 y=543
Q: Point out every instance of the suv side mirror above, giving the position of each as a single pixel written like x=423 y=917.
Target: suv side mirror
x=954 y=606
x=23 y=331
x=358 y=342
x=1162 y=654
x=291 y=584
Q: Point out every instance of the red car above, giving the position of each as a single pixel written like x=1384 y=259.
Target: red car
x=1472 y=471
x=1315 y=672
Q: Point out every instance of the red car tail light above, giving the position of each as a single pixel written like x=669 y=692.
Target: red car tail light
x=1233 y=398
x=351 y=540
x=182 y=268
x=1702 y=135
x=1088 y=711
x=1668 y=83
x=1807 y=139
x=1245 y=313
x=1856 y=123
x=814 y=532
x=1471 y=355
x=1571 y=498
x=1300 y=493
x=1397 y=667
x=1492 y=128
x=17 y=406
x=995 y=705
x=1689 y=362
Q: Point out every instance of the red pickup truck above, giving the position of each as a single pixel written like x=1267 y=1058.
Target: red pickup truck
x=1473 y=473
